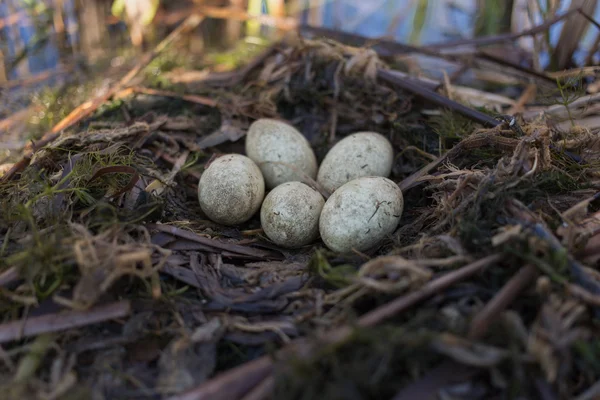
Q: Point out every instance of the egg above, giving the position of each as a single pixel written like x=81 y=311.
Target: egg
x=360 y=214
x=290 y=214
x=357 y=155
x=231 y=189
x=282 y=153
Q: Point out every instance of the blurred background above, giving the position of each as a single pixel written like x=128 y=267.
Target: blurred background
x=41 y=36
x=46 y=45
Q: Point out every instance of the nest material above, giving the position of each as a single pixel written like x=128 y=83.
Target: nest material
x=108 y=214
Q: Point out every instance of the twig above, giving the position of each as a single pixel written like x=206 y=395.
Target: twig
x=580 y=207
x=489 y=138
x=583 y=295
x=536 y=227
x=86 y=109
x=521 y=71
x=61 y=321
x=217 y=244
x=428 y=386
x=192 y=98
x=527 y=95
x=454 y=76
x=8 y=276
x=591 y=393
x=262 y=390
x=482 y=321
x=402 y=303
x=231 y=384
x=437 y=99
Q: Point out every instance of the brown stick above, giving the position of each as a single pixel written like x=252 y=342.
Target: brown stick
x=217 y=244
x=86 y=109
x=61 y=321
x=482 y=321
x=231 y=384
x=192 y=98
x=427 y=387
x=528 y=95
x=262 y=390
x=390 y=309
x=9 y=276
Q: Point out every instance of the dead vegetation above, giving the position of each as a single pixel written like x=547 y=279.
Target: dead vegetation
x=115 y=285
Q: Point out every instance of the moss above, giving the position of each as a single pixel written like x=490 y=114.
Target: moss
x=483 y=157
x=553 y=182
x=29 y=198
x=241 y=53
x=338 y=276
x=44 y=262
x=450 y=127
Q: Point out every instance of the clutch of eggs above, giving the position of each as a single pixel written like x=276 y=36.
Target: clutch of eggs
x=364 y=206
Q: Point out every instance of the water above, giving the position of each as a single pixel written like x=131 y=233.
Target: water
x=31 y=34
x=444 y=19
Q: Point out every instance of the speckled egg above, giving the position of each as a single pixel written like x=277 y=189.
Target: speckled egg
x=290 y=214
x=357 y=155
x=360 y=214
x=231 y=189
x=282 y=153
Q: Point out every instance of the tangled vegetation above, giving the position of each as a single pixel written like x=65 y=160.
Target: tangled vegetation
x=115 y=285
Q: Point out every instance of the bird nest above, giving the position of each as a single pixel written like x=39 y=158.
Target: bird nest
x=115 y=284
